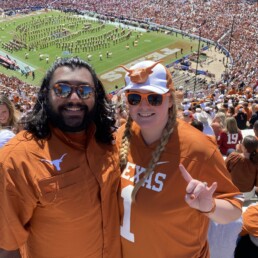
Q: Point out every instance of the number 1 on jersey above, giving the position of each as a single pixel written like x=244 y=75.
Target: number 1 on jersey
x=126 y=194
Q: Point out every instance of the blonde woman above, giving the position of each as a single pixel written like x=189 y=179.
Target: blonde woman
x=218 y=123
x=8 y=114
x=220 y=117
x=173 y=179
x=229 y=137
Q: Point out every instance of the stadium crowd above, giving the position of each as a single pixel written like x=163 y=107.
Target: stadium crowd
x=230 y=24
x=20 y=93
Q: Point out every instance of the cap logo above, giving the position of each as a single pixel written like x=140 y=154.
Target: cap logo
x=140 y=75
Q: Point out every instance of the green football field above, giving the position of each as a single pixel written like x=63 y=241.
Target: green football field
x=50 y=35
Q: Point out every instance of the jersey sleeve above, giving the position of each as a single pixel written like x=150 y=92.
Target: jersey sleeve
x=214 y=170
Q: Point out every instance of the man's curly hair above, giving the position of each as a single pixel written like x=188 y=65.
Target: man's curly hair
x=38 y=120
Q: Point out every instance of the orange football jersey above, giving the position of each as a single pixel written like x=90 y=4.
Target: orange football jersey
x=160 y=224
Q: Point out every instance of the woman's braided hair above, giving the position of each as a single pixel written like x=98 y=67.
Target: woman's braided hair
x=167 y=131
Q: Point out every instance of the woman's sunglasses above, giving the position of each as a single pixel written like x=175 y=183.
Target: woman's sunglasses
x=153 y=99
x=64 y=90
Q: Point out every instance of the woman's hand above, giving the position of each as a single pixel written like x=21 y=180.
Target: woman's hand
x=198 y=195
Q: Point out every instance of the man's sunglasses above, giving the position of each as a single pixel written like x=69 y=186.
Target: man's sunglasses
x=153 y=99
x=64 y=90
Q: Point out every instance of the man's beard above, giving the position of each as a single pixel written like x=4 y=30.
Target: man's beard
x=57 y=120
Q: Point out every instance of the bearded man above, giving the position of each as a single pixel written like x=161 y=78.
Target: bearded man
x=58 y=178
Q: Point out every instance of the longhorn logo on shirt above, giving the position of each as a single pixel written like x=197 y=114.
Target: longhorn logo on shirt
x=56 y=163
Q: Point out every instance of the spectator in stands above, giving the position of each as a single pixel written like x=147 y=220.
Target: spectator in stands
x=247 y=110
x=206 y=121
x=218 y=124
x=209 y=111
x=197 y=124
x=229 y=137
x=243 y=166
x=241 y=118
x=121 y=114
x=230 y=111
x=8 y=114
x=244 y=71
x=220 y=118
x=247 y=246
x=187 y=116
x=254 y=117
x=23 y=121
x=255 y=128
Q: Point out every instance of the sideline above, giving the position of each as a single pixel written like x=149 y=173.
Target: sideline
x=120 y=24
x=22 y=66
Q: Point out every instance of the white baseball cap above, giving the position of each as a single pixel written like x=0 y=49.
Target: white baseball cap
x=148 y=76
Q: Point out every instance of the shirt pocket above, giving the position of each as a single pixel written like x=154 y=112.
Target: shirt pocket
x=60 y=189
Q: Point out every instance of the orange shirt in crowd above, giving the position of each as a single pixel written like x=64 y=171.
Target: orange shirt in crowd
x=250 y=221
x=232 y=91
x=243 y=171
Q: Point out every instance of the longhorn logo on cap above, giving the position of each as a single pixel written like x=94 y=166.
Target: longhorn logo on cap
x=140 y=75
